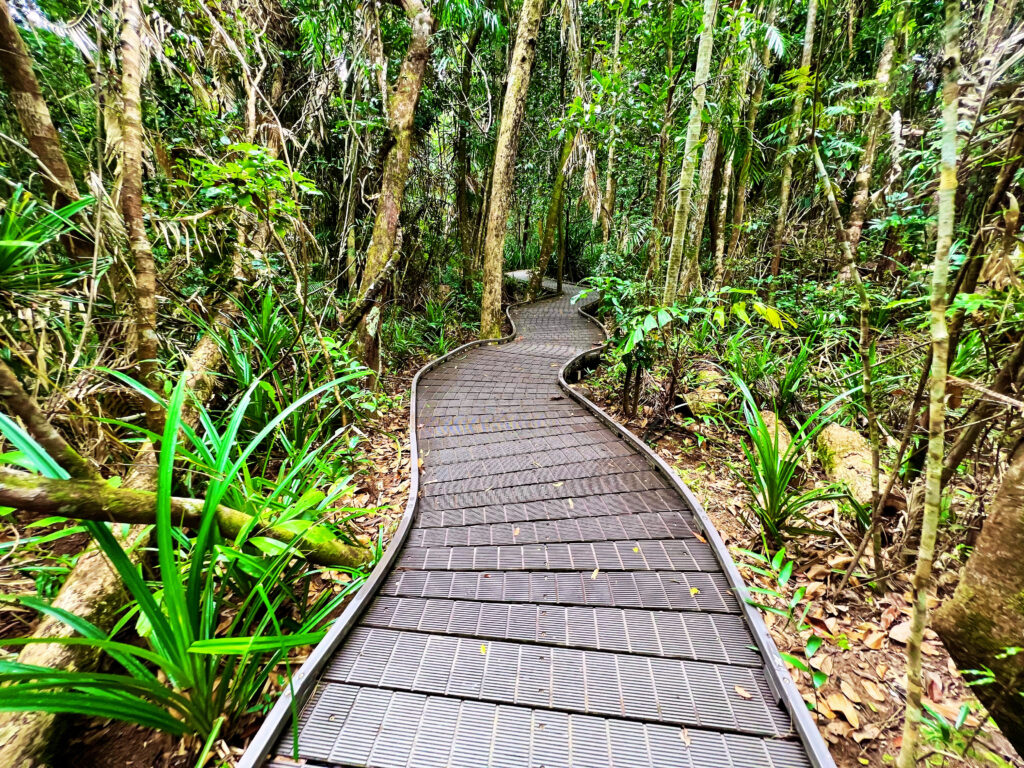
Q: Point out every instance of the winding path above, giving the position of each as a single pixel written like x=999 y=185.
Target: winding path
x=559 y=601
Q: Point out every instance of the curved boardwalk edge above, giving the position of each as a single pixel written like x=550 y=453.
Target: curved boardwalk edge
x=779 y=678
x=554 y=597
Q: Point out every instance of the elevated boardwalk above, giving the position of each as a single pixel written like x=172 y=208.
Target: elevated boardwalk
x=559 y=600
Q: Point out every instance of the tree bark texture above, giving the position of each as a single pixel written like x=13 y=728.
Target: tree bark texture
x=513 y=108
x=131 y=206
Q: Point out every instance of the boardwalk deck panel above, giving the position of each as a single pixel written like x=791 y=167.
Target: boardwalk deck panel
x=555 y=604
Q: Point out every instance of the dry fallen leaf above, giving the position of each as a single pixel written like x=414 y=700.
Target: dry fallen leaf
x=900 y=632
x=743 y=693
x=873 y=690
x=873 y=640
x=851 y=693
x=837 y=702
x=515 y=532
x=684 y=735
x=594 y=574
x=869 y=732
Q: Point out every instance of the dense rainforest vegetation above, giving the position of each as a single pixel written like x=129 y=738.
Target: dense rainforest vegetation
x=231 y=229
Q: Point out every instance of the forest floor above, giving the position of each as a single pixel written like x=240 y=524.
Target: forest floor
x=860 y=708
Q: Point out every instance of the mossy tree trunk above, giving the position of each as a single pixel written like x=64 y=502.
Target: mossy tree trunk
x=401 y=113
x=514 y=107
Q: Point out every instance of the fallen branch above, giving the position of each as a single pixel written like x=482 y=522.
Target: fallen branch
x=95 y=500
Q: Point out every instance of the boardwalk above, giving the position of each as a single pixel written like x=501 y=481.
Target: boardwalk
x=557 y=602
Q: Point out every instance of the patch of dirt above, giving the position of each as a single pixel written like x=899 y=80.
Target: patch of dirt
x=860 y=708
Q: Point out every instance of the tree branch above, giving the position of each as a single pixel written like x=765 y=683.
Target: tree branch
x=95 y=500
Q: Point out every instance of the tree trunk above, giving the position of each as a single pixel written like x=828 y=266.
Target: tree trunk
x=937 y=410
x=658 y=228
x=608 y=201
x=36 y=123
x=792 y=136
x=547 y=243
x=33 y=114
x=985 y=615
x=517 y=84
x=131 y=207
x=693 y=128
x=862 y=182
x=401 y=113
x=462 y=165
x=689 y=270
x=720 y=217
x=743 y=173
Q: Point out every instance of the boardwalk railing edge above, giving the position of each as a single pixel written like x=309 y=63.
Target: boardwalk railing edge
x=304 y=681
x=778 y=675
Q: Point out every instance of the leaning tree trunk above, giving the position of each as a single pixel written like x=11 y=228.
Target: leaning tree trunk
x=985 y=616
x=693 y=128
x=937 y=410
x=401 y=112
x=131 y=206
x=547 y=241
x=792 y=135
x=516 y=86
x=36 y=123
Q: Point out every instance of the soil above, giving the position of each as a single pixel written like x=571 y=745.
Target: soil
x=859 y=709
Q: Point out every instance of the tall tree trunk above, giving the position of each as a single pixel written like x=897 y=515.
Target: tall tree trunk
x=721 y=215
x=743 y=173
x=401 y=113
x=131 y=206
x=547 y=243
x=512 y=110
x=985 y=616
x=36 y=123
x=658 y=228
x=862 y=182
x=689 y=271
x=792 y=136
x=937 y=411
x=608 y=202
x=693 y=128
x=462 y=165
